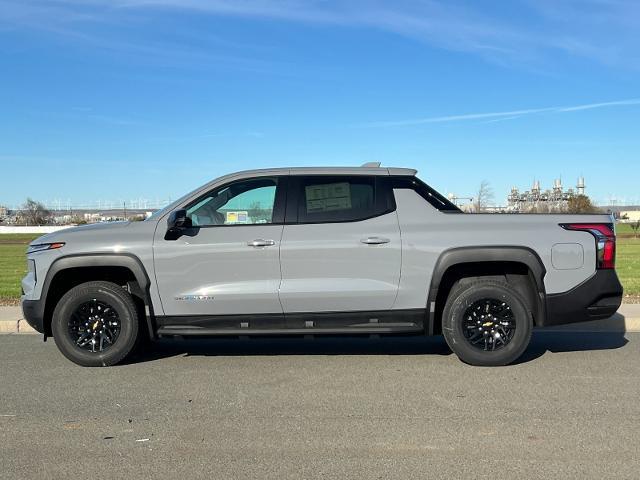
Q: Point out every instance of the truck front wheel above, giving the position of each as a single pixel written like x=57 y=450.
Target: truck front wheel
x=486 y=322
x=95 y=324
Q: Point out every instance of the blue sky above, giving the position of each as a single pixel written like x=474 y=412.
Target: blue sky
x=151 y=98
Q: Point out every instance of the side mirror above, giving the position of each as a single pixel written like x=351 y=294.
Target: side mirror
x=177 y=223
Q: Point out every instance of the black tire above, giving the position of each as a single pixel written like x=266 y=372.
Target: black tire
x=121 y=305
x=465 y=300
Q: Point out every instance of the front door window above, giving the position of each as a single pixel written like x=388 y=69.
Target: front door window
x=247 y=202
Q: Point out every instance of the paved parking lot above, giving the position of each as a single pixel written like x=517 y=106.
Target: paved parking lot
x=328 y=408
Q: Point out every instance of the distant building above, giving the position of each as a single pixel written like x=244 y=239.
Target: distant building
x=92 y=217
x=630 y=215
x=4 y=212
x=63 y=219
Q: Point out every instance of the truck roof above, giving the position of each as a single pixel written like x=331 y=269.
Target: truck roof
x=366 y=169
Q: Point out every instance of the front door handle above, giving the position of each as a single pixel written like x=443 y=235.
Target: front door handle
x=375 y=240
x=261 y=242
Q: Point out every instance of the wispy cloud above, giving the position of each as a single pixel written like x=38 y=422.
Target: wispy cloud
x=499 y=116
x=525 y=31
x=590 y=106
x=502 y=119
x=123 y=29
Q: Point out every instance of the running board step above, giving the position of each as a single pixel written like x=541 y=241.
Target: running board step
x=180 y=330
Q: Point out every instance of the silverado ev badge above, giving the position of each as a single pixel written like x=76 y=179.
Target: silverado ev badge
x=195 y=297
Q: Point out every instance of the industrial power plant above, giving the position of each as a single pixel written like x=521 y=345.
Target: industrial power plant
x=554 y=199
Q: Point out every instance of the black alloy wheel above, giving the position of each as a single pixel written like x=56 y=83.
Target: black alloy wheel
x=94 y=326
x=489 y=324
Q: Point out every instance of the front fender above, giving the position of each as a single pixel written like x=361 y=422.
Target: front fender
x=35 y=311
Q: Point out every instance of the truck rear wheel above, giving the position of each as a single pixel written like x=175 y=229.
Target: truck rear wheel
x=95 y=324
x=486 y=322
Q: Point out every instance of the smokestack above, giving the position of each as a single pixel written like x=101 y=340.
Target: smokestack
x=536 y=186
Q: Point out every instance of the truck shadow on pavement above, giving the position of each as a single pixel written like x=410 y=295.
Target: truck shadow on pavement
x=568 y=341
x=541 y=343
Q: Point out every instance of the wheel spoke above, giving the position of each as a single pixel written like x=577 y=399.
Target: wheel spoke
x=83 y=339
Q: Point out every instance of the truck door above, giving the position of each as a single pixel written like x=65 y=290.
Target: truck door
x=342 y=254
x=230 y=263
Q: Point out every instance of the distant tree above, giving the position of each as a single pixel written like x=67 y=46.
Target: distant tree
x=581 y=204
x=485 y=196
x=257 y=214
x=636 y=226
x=35 y=213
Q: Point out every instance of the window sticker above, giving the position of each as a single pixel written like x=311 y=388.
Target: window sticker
x=328 y=197
x=237 y=217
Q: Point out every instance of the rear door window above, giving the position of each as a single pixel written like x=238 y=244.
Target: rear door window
x=328 y=199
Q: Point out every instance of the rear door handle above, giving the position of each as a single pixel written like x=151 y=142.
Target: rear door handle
x=375 y=240
x=261 y=242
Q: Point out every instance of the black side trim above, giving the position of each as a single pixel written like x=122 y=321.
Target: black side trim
x=425 y=191
x=280 y=202
x=596 y=298
x=30 y=312
x=275 y=320
x=213 y=332
x=388 y=321
x=498 y=253
x=34 y=310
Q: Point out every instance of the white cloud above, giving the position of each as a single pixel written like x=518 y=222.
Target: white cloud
x=497 y=116
x=523 y=32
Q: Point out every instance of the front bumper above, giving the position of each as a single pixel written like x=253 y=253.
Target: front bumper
x=33 y=312
x=596 y=298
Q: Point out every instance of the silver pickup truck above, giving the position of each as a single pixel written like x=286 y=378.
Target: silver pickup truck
x=319 y=251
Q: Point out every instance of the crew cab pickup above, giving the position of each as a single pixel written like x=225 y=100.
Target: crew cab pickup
x=320 y=251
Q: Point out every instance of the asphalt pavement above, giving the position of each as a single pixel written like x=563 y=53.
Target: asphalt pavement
x=325 y=408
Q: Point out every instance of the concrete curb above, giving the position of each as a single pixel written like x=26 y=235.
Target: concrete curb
x=17 y=327
x=11 y=321
x=626 y=320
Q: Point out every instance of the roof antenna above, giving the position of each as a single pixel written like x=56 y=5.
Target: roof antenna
x=370 y=165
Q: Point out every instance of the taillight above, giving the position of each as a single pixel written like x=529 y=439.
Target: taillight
x=605 y=241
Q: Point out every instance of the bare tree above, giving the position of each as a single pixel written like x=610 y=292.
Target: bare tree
x=485 y=196
x=636 y=226
x=35 y=213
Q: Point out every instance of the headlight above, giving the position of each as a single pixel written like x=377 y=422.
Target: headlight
x=44 y=246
